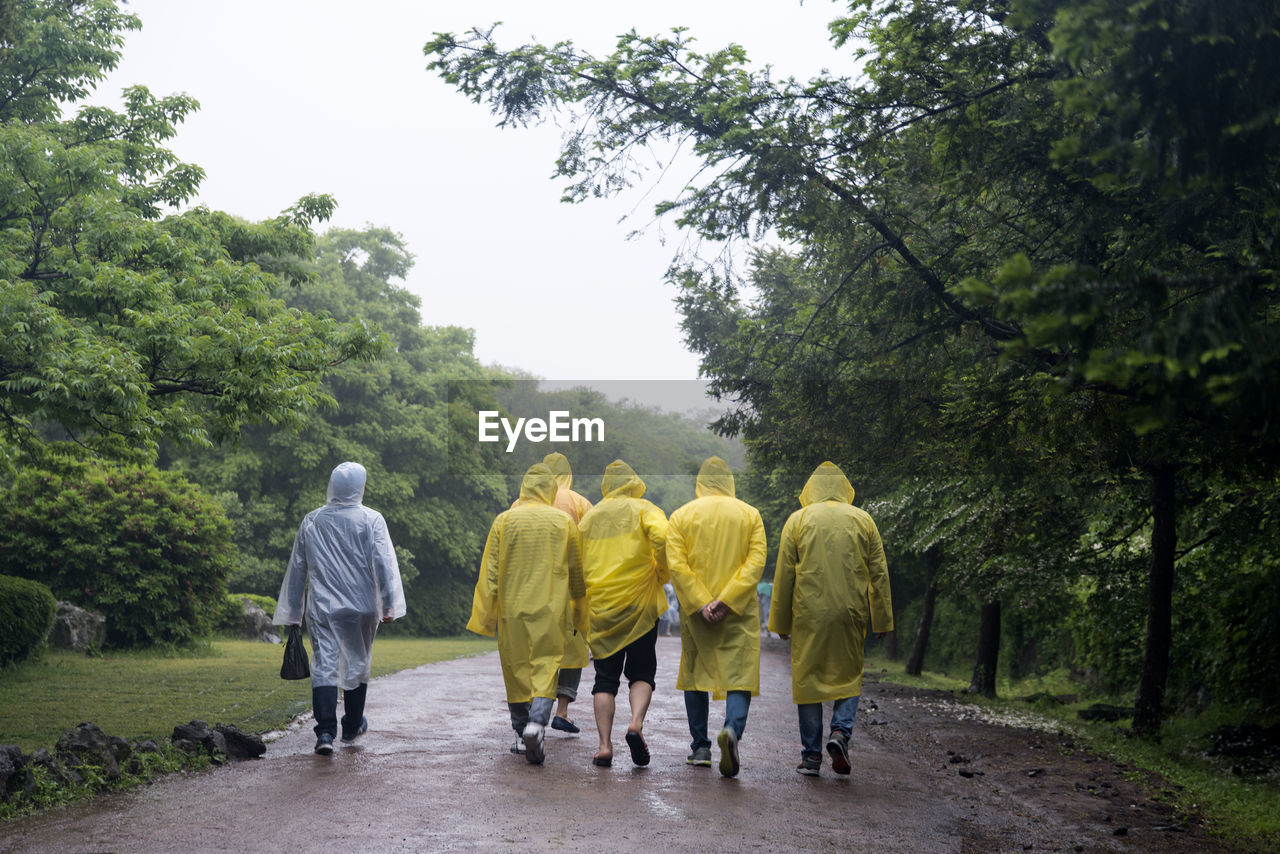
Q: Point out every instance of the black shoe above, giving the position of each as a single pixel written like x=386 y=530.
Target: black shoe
x=838 y=749
x=324 y=744
x=564 y=724
x=363 y=728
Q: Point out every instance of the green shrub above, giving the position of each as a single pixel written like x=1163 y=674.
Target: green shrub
x=141 y=546
x=441 y=610
x=27 y=609
x=233 y=607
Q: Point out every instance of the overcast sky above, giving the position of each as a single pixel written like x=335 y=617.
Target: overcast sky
x=318 y=96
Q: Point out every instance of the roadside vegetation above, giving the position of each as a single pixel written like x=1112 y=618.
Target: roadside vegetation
x=143 y=695
x=1239 y=797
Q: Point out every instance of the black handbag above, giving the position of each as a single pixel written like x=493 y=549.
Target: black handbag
x=295 y=665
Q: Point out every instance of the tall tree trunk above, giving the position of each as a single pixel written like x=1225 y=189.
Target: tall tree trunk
x=915 y=662
x=891 y=650
x=1149 y=707
x=984 y=670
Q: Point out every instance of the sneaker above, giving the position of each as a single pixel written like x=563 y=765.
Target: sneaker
x=809 y=766
x=364 y=727
x=533 y=735
x=518 y=747
x=324 y=744
x=728 y=752
x=838 y=749
x=700 y=756
x=564 y=724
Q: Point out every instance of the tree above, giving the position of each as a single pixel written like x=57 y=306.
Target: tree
x=120 y=326
x=1015 y=228
x=393 y=415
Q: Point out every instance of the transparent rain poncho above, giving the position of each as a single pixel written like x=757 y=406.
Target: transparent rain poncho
x=831 y=578
x=716 y=550
x=344 y=551
x=530 y=589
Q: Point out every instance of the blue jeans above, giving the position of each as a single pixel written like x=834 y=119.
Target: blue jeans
x=697 y=705
x=538 y=711
x=567 y=682
x=842 y=712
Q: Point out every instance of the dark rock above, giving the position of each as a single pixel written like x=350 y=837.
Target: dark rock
x=12 y=763
x=1244 y=740
x=89 y=745
x=255 y=623
x=197 y=735
x=1035 y=772
x=196 y=731
x=56 y=770
x=78 y=629
x=147 y=746
x=1105 y=712
x=1120 y=831
x=241 y=745
x=120 y=748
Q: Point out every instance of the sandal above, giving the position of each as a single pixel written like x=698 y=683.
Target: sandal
x=602 y=761
x=639 y=750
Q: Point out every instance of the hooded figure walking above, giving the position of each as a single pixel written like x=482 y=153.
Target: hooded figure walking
x=530 y=593
x=716 y=551
x=831 y=579
x=345 y=551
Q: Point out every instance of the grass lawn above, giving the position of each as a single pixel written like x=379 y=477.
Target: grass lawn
x=145 y=694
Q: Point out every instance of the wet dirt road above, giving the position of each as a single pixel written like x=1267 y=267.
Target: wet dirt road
x=435 y=773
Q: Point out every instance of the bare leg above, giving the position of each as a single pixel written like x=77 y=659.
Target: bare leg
x=604 y=706
x=562 y=706
x=641 y=694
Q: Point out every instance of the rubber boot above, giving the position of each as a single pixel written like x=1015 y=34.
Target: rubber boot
x=353 y=710
x=324 y=705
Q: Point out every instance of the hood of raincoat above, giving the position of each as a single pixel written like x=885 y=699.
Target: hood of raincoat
x=346 y=484
x=559 y=465
x=827 y=483
x=621 y=481
x=539 y=484
x=714 y=478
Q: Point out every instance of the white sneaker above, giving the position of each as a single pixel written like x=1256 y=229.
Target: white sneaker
x=518 y=747
x=533 y=735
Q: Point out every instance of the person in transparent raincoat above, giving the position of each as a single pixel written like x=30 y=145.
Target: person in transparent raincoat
x=344 y=550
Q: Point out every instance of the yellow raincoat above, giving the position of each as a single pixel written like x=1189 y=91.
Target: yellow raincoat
x=831 y=577
x=530 y=590
x=575 y=651
x=716 y=550
x=624 y=560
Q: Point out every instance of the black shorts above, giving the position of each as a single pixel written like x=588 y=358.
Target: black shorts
x=638 y=660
